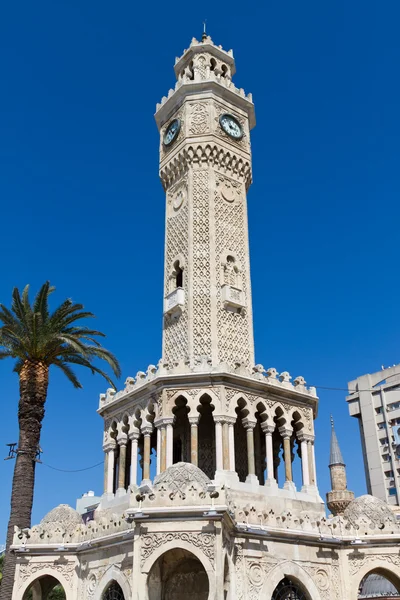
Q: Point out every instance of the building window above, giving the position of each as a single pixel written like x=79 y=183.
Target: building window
x=384 y=441
x=113 y=592
x=381 y=425
x=392 y=491
x=378 y=410
x=178 y=272
x=385 y=457
x=394 y=406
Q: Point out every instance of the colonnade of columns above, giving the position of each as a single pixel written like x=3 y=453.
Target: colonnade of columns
x=116 y=451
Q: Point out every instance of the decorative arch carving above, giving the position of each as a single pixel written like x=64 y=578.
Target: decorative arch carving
x=28 y=574
x=112 y=574
x=292 y=571
x=360 y=565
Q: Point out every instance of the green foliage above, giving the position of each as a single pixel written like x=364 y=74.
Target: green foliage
x=30 y=332
x=57 y=593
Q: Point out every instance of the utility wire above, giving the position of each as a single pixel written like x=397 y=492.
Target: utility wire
x=72 y=470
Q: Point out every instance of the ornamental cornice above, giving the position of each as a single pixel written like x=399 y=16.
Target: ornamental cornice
x=267 y=389
x=206 y=154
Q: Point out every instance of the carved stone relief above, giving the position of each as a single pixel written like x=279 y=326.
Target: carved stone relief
x=199 y=118
x=151 y=541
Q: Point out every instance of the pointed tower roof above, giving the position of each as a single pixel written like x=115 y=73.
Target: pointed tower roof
x=335 y=455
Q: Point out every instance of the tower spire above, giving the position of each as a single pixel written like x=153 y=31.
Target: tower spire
x=204 y=36
x=339 y=497
x=335 y=453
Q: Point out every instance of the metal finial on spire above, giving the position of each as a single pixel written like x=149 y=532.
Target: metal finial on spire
x=204 y=36
x=332 y=423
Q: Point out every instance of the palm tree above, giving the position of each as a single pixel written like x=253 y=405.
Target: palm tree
x=38 y=339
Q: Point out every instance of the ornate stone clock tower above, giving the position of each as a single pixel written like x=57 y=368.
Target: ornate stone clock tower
x=201 y=499
x=206 y=402
x=205 y=168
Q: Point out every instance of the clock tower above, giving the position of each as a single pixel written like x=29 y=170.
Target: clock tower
x=205 y=169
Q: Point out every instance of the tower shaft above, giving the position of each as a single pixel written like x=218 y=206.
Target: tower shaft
x=205 y=168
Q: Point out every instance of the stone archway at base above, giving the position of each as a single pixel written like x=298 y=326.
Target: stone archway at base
x=177 y=575
x=45 y=587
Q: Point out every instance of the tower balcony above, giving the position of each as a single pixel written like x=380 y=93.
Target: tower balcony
x=233 y=297
x=174 y=302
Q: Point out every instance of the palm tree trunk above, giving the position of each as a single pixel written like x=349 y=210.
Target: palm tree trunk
x=33 y=383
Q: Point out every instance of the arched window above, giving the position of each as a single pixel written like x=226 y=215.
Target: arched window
x=287 y=590
x=113 y=592
x=178 y=275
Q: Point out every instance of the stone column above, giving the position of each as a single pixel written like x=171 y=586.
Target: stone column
x=194 y=449
x=134 y=436
x=310 y=447
x=269 y=452
x=158 y=450
x=218 y=443
x=147 y=431
x=251 y=467
x=169 y=440
x=225 y=445
x=105 y=470
x=110 y=449
x=231 y=440
x=304 y=461
x=163 y=449
x=286 y=433
x=122 y=440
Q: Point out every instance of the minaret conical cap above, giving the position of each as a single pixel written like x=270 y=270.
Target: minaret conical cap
x=336 y=457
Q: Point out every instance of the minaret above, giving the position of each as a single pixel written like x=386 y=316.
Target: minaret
x=340 y=497
x=205 y=169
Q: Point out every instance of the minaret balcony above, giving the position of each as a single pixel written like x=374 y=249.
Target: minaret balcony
x=174 y=302
x=233 y=297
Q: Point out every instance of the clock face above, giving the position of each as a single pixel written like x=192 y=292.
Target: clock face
x=171 y=133
x=231 y=126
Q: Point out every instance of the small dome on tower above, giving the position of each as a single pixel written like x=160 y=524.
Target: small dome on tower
x=62 y=515
x=368 y=508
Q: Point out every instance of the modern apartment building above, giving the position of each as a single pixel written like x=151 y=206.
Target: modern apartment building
x=374 y=399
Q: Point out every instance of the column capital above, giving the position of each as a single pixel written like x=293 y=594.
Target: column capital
x=111 y=445
x=122 y=439
x=194 y=420
x=230 y=420
x=134 y=434
x=147 y=429
x=219 y=419
x=267 y=428
x=248 y=423
x=286 y=432
x=304 y=437
x=163 y=421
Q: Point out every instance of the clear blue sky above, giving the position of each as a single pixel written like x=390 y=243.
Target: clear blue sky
x=81 y=203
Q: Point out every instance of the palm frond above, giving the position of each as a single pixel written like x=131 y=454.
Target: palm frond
x=69 y=373
x=40 y=304
x=108 y=357
x=18 y=307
